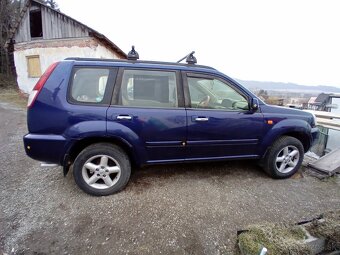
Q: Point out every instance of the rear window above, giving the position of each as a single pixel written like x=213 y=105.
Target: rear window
x=89 y=85
x=142 y=88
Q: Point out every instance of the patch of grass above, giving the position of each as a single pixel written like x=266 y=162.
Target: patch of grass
x=279 y=239
x=10 y=93
x=331 y=179
x=7 y=81
x=13 y=96
x=328 y=228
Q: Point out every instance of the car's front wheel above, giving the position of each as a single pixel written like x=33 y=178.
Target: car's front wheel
x=102 y=169
x=284 y=158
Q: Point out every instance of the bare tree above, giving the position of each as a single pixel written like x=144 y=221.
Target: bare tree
x=9 y=13
x=51 y=3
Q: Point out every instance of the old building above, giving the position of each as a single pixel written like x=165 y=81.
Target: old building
x=44 y=35
x=328 y=102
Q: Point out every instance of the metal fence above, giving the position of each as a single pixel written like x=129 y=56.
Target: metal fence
x=320 y=145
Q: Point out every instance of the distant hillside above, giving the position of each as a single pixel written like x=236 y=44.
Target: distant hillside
x=281 y=86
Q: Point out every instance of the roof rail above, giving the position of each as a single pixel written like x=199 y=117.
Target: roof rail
x=138 y=62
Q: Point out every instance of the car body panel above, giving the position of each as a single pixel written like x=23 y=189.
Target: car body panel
x=224 y=134
x=156 y=134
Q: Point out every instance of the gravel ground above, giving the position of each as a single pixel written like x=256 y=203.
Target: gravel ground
x=182 y=209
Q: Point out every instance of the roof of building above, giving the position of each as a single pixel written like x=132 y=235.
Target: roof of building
x=335 y=95
x=321 y=98
x=311 y=100
x=102 y=38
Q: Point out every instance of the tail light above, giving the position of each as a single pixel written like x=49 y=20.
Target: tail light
x=41 y=82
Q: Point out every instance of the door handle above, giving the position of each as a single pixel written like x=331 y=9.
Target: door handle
x=124 y=117
x=201 y=119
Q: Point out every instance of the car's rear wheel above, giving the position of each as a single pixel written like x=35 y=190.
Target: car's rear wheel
x=102 y=169
x=284 y=158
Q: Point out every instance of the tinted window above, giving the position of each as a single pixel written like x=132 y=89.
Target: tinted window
x=148 y=89
x=215 y=94
x=89 y=85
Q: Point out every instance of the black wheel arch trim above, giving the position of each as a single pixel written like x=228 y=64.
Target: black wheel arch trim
x=80 y=144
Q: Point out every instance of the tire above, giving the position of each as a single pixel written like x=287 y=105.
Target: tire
x=284 y=157
x=102 y=169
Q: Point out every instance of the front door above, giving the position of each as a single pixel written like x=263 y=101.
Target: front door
x=220 y=124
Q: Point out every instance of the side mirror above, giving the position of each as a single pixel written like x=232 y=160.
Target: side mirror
x=254 y=104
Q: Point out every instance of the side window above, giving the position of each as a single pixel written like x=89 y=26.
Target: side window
x=215 y=94
x=89 y=85
x=148 y=89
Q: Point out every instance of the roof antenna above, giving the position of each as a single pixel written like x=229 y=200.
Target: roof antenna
x=190 y=59
x=133 y=55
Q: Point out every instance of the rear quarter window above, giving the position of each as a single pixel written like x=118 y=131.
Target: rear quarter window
x=89 y=86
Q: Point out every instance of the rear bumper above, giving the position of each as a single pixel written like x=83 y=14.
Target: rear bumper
x=46 y=148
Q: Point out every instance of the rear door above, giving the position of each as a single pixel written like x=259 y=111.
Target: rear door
x=220 y=124
x=148 y=111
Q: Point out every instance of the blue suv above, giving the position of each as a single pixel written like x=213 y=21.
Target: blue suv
x=103 y=116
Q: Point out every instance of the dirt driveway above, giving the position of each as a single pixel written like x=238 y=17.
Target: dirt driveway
x=183 y=209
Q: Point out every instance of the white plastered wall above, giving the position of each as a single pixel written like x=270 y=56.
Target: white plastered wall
x=50 y=55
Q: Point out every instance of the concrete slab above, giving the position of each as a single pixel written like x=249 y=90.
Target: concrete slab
x=328 y=164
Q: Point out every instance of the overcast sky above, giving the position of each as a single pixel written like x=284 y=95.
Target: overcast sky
x=265 y=40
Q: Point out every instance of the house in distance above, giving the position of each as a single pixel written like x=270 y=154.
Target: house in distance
x=43 y=36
